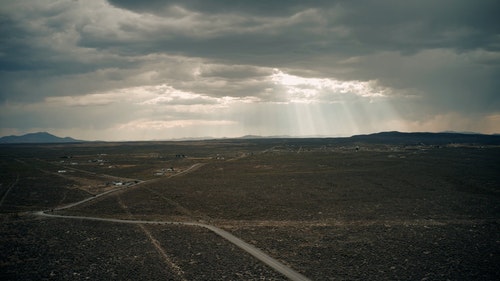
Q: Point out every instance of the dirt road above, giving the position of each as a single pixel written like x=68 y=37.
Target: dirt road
x=260 y=255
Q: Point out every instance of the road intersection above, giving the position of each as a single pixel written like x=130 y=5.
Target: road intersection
x=255 y=252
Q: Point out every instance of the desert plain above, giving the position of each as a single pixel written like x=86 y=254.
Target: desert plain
x=327 y=209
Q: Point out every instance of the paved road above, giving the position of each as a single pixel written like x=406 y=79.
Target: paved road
x=188 y=170
x=260 y=255
x=94 y=197
x=263 y=257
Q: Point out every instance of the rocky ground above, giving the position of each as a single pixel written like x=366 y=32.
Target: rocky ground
x=380 y=213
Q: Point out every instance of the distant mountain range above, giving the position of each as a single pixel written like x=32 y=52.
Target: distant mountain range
x=41 y=137
x=427 y=138
x=380 y=138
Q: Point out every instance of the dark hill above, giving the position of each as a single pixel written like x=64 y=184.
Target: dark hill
x=41 y=137
x=427 y=138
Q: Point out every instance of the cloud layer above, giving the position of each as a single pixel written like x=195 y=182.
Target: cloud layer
x=127 y=69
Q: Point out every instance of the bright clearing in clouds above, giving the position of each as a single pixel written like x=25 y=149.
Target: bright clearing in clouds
x=141 y=70
x=289 y=105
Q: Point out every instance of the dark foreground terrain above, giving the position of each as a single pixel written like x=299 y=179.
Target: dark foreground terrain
x=331 y=210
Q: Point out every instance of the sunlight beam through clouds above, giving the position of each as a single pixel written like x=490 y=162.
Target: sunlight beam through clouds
x=320 y=106
x=296 y=106
x=95 y=69
x=303 y=89
x=290 y=105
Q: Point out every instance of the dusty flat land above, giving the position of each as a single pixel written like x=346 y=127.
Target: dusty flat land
x=329 y=210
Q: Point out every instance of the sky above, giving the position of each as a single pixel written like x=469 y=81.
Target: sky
x=152 y=70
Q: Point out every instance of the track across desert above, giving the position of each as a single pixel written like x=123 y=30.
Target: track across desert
x=261 y=209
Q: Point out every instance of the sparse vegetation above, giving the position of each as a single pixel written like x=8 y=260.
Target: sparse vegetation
x=328 y=210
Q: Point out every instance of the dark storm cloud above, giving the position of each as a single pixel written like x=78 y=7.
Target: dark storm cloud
x=432 y=57
x=409 y=26
x=367 y=25
x=387 y=40
x=24 y=43
x=269 y=33
x=256 y=7
x=234 y=71
x=37 y=51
